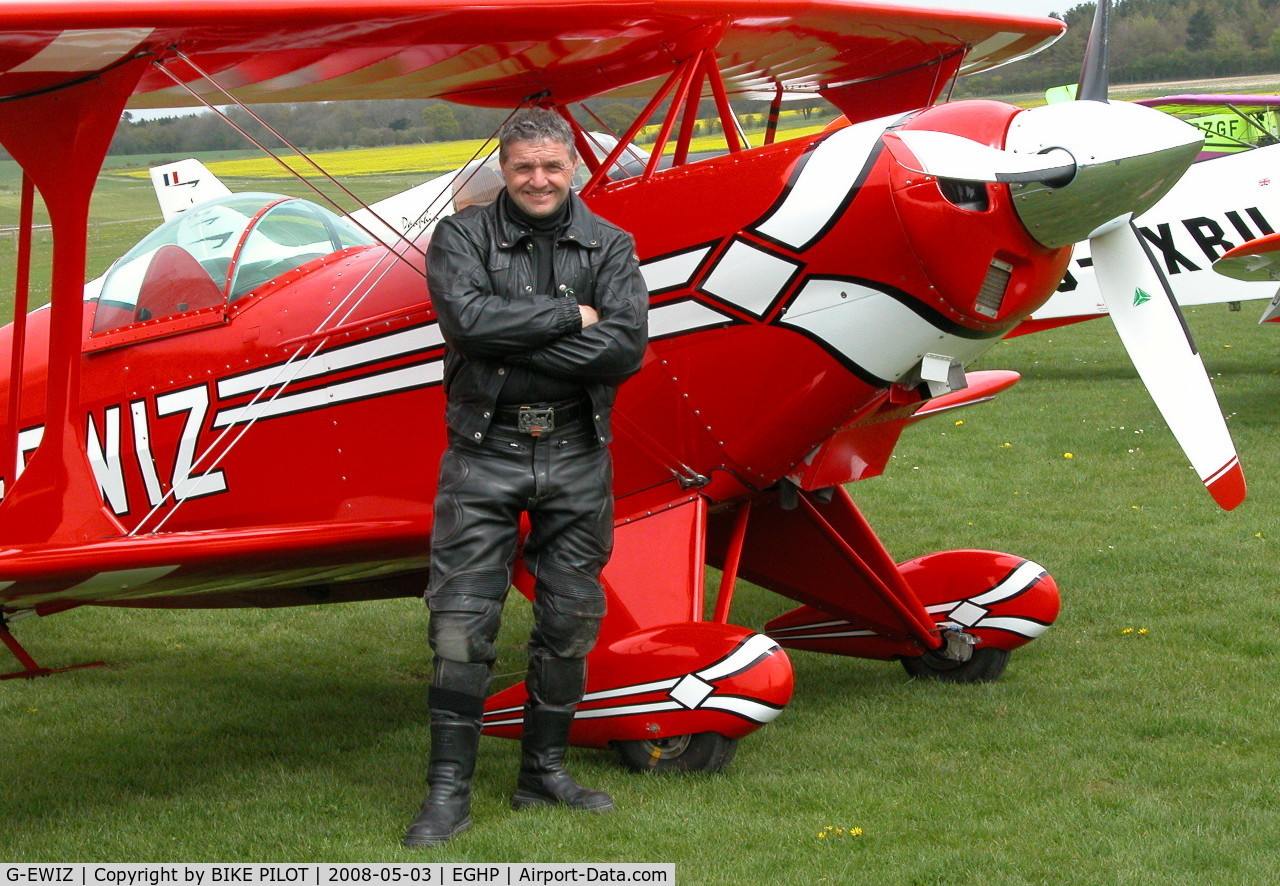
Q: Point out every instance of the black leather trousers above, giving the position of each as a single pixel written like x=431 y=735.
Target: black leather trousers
x=563 y=480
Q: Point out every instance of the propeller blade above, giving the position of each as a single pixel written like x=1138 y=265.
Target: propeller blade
x=1093 y=70
x=944 y=155
x=1160 y=346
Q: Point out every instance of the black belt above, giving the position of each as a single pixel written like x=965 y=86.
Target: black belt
x=536 y=419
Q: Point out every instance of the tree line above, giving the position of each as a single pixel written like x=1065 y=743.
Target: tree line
x=1152 y=40
x=322 y=126
x=314 y=126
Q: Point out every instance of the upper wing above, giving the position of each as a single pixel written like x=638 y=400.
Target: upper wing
x=501 y=53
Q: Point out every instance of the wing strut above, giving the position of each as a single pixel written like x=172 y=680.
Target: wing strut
x=686 y=75
x=687 y=82
x=59 y=137
x=30 y=668
x=728 y=122
x=775 y=109
x=18 y=345
x=642 y=119
x=690 y=117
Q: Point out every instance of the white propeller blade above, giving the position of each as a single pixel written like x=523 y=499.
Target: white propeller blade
x=945 y=155
x=1153 y=333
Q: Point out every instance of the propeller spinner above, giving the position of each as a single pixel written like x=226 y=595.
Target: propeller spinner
x=1083 y=170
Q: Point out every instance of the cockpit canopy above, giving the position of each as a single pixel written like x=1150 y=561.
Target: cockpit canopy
x=218 y=252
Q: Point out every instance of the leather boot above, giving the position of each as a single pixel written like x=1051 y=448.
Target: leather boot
x=543 y=780
x=446 y=812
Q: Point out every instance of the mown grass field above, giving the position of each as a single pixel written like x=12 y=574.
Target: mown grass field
x=1134 y=744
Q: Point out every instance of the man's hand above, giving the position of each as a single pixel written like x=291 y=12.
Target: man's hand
x=589 y=315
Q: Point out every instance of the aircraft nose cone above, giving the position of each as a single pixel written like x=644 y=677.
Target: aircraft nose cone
x=1127 y=158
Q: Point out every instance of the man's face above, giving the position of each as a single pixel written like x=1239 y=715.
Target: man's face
x=538 y=175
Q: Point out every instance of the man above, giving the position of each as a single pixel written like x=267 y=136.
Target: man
x=544 y=312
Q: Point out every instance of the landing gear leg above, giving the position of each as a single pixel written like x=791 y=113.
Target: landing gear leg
x=30 y=668
x=984 y=666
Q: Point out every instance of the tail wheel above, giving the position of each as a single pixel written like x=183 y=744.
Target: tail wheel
x=700 y=752
x=983 y=666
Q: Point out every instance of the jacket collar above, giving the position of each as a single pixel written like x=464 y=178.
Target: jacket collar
x=581 y=229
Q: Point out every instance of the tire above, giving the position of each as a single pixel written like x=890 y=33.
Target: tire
x=984 y=666
x=700 y=752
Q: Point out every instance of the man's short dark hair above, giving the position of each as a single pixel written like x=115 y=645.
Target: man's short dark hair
x=535 y=125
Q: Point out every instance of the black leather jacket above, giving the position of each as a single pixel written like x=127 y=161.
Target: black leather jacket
x=480 y=276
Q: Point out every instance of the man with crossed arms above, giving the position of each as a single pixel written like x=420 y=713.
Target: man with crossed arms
x=544 y=312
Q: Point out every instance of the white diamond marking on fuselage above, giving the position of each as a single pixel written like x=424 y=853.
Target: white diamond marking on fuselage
x=673 y=271
x=749 y=277
x=681 y=317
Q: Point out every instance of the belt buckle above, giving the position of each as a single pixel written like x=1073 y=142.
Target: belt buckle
x=535 y=422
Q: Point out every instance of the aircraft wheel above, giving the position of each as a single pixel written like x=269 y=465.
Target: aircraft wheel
x=700 y=752
x=984 y=666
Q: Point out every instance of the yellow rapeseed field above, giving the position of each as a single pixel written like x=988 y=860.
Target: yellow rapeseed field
x=435 y=157
x=431 y=159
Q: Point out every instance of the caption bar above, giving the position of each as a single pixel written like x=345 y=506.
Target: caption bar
x=332 y=874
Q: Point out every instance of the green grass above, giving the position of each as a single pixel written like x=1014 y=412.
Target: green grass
x=1102 y=757
x=124 y=210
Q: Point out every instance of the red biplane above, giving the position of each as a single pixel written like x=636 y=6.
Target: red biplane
x=248 y=411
